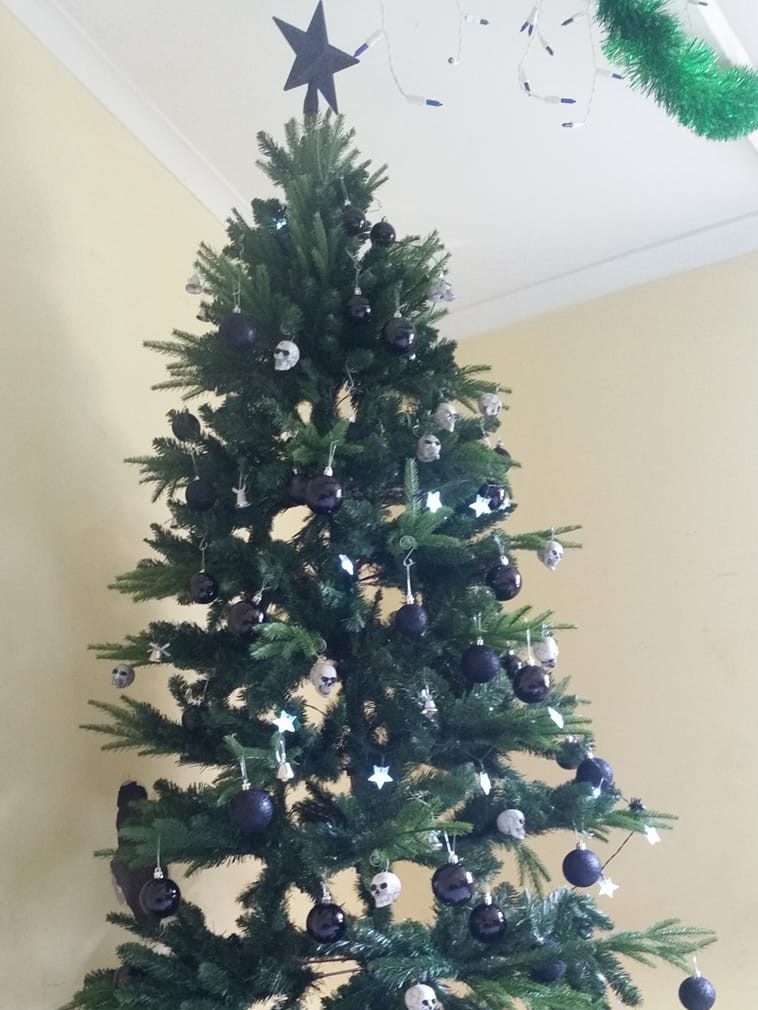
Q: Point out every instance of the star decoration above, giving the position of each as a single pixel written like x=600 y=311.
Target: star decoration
x=652 y=835
x=316 y=61
x=433 y=501
x=480 y=506
x=607 y=887
x=285 y=722
x=381 y=776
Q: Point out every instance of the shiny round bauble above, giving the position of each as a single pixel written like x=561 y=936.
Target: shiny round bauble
x=595 y=772
x=495 y=494
x=236 y=332
x=326 y=922
x=411 y=620
x=159 y=898
x=453 y=884
x=200 y=495
x=359 y=309
x=123 y=976
x=382 y=235
x=203 y=588
x=570 y=754
x=531 y=684
x=502 y=451
x=193 y=720
x=323 y=495
x=480 y=664
x=244 y=617
x=353 y=219
x=550 y=971
x=697 y=993
x=296 y=488
x=511 y=663
x=582 y=868
x=487 y=923
x=399 y=334
x=504 y=581
x=185 y=426
x=251 y=810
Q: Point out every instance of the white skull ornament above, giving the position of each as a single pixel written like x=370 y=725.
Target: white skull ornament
x=420 y=997
x=323 y=676
x=445 y=417
x=385 y=888
x=428 y=449
x=490 y=404
x=122 y=675
x=546 y=652
x=550 y=554
x=286 y=355
x=512 y=822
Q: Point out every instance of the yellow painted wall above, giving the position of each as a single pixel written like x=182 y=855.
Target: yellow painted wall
x=634 y=415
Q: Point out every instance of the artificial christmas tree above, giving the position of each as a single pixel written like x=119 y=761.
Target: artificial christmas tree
x=359 y=688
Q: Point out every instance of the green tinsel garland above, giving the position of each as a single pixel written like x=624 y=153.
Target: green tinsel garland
x=681 y=74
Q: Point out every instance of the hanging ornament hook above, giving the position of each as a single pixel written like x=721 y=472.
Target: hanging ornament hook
x=408 y=564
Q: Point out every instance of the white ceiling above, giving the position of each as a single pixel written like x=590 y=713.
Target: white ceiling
x=537 y=216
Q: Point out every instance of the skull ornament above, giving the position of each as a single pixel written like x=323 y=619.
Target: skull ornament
x=420 y=997
x=550 y=554
x=445 y=417
x=546 y=652
x=122 y=675
x=385 y=888
x=490 y=404
x=512 y=822
x=428 y=449
x=286 y=355
x=323 y=676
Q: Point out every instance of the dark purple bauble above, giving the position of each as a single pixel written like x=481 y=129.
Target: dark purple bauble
x=595 y=772
x=251 y=810
x=236 y=332
x=185 y=426
x=531 y=684
x=487 y=923
x=496 y=494
x=382 y=235
x=200 y=495
x=697 y=993
x=480 y=664
x=504 y=581
x=400 y=334
x=453 y=884
x=353 y=219
x=244 y=617
x=193 y=720
x=502 y=451
x=323 y=495
x=511 y=663
x=203 y=588
x=326 y=922
x=359 y=309
x=123 y=976
x=570 y=754
x=296 y=488
x=159 y=897
x=551 y=971
x=582 y=868
x=411 y=620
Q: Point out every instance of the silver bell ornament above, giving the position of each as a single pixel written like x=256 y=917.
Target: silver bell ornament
x=323 y=676
x=551 y=554
x=512 y=823
x=428 y=449
x=445 y=417
x=122 y=676
x=385 y=888
x=546 y=652
x=286 y=355
x=420 y=997
x=490 y=404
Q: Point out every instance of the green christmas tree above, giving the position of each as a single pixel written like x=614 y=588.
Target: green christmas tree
x=363 y=690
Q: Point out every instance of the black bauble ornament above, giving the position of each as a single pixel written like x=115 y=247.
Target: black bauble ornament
x=326 y=922
x=296 y=488
x=697 y=993
x=193 y=720
x=496 y=495
x=531 y=684
x=551 y=971
x=323 y=495
x=505 y=581
x=251 y=810
x=511 y=663
x=382 y=235
x=582 y=868
x=236 y=332
x=453 y=884
x=487 y=923
x=411 y=620
x=159 y=897
x=200 y=495
x=595 y=772
x=353 y=219
x=400 y=334
x=480 y=664
x=502 y=451
x=123 y=976
x=359 y=309
x=185 y=426
x=244 y=617
x=203 y=588
x=570 y=754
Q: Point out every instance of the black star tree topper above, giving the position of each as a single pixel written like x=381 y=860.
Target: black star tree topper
x=316 y=61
